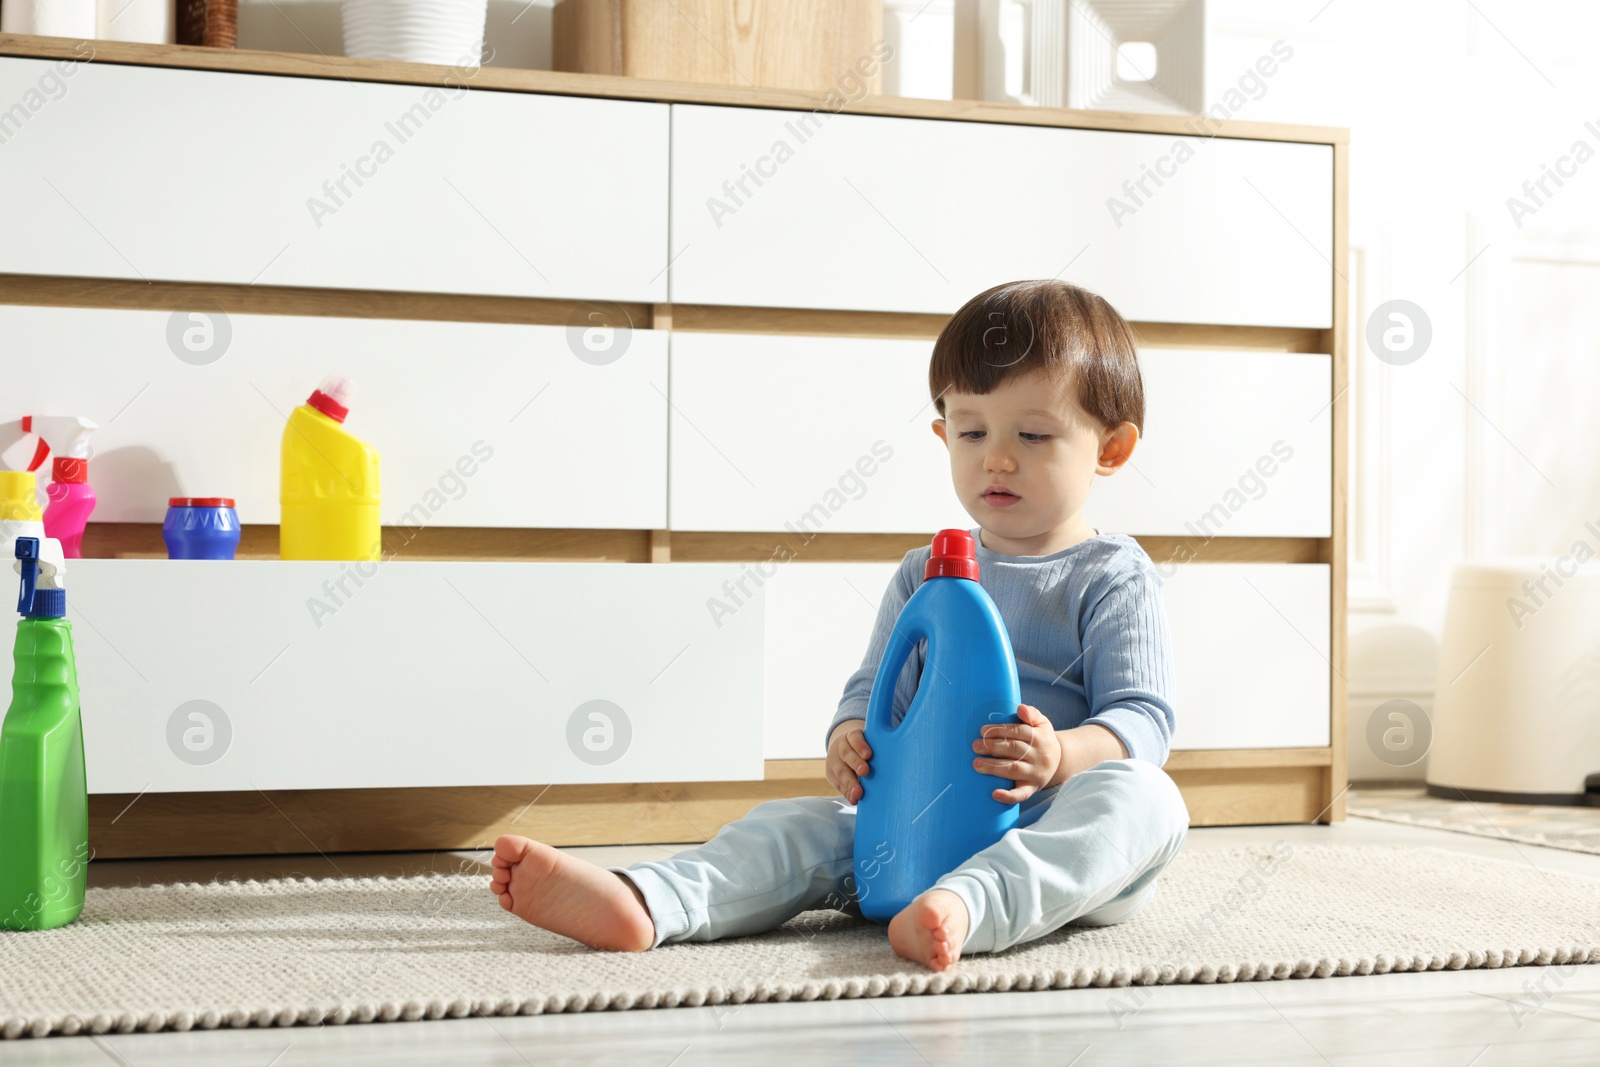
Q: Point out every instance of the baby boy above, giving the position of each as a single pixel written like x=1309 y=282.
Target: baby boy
x=1038 y=390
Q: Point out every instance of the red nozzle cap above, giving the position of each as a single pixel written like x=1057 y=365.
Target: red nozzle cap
x=67 y=470
x=328 y=405
x=333 y=397
x=199 y=501
x=954 y=555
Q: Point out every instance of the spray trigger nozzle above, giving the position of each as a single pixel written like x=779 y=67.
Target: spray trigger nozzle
x=28 y=555
x=42 y=568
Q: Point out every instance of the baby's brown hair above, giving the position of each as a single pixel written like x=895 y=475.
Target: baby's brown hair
x=1073 y=335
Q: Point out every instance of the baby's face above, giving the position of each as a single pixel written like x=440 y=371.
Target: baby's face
x=1024 y=456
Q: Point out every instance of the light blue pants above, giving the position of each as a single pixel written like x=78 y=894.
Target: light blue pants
x=1085 y=852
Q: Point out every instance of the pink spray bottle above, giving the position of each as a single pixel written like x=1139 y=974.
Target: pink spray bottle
x=71 y=498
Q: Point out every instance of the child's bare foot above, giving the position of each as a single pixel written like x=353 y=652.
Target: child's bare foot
x=567 y=896
x=931 y=929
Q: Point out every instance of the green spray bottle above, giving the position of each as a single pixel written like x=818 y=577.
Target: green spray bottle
x=44 y=797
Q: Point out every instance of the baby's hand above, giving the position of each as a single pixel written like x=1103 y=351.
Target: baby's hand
x=848 y=754
x=1029 y=754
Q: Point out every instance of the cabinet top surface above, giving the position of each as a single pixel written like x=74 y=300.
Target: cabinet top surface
x=505 y=79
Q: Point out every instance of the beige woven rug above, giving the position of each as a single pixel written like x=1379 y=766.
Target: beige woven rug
x=1576 y=829
x=292 y=951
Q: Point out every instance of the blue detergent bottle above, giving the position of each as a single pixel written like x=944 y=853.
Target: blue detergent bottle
x=924 y=809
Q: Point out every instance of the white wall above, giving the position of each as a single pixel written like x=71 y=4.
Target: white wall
x=1486 y=445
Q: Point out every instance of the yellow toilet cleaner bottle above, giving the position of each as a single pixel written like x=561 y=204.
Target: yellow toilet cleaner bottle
x=329 y=482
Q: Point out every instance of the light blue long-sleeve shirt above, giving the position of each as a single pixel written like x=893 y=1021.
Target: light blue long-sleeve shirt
x=1088 y=629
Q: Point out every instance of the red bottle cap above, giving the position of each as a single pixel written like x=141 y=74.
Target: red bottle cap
x=67 y=470
x=954 y=555
x=200 y=502
x=333 y=397
x=328 y=406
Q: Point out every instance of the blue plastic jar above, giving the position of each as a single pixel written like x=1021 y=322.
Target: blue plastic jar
x=200 y=527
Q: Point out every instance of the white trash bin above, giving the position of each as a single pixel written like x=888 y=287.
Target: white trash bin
x=1516 y=714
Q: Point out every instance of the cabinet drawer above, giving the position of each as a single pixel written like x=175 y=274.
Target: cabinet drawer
x=477 y=424
x=1239 y=444
x=808 y=434
x=421 y=674
x=819 y=621
x=801 y=209
x=1259 y=682
x=764 y=427
x=209 y=176
x=1250 y=649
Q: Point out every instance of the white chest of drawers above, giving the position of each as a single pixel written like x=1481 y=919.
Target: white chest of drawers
x=777 y=335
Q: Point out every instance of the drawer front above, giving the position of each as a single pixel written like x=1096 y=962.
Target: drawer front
x=763 y=426
x=476 y=424
x=807 y=434
x=819 y=621
x=801 y=209
x=1238 y=444
x=371 y=669
x=422 y=674
x=1261 y=680
x=207 y=176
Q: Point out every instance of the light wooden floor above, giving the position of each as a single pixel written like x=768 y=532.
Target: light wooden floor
x=1458 y=1018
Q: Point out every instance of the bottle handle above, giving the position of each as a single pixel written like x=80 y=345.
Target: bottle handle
x=903 y=637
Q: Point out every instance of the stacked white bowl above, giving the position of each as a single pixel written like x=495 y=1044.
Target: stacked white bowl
x=448 y=32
